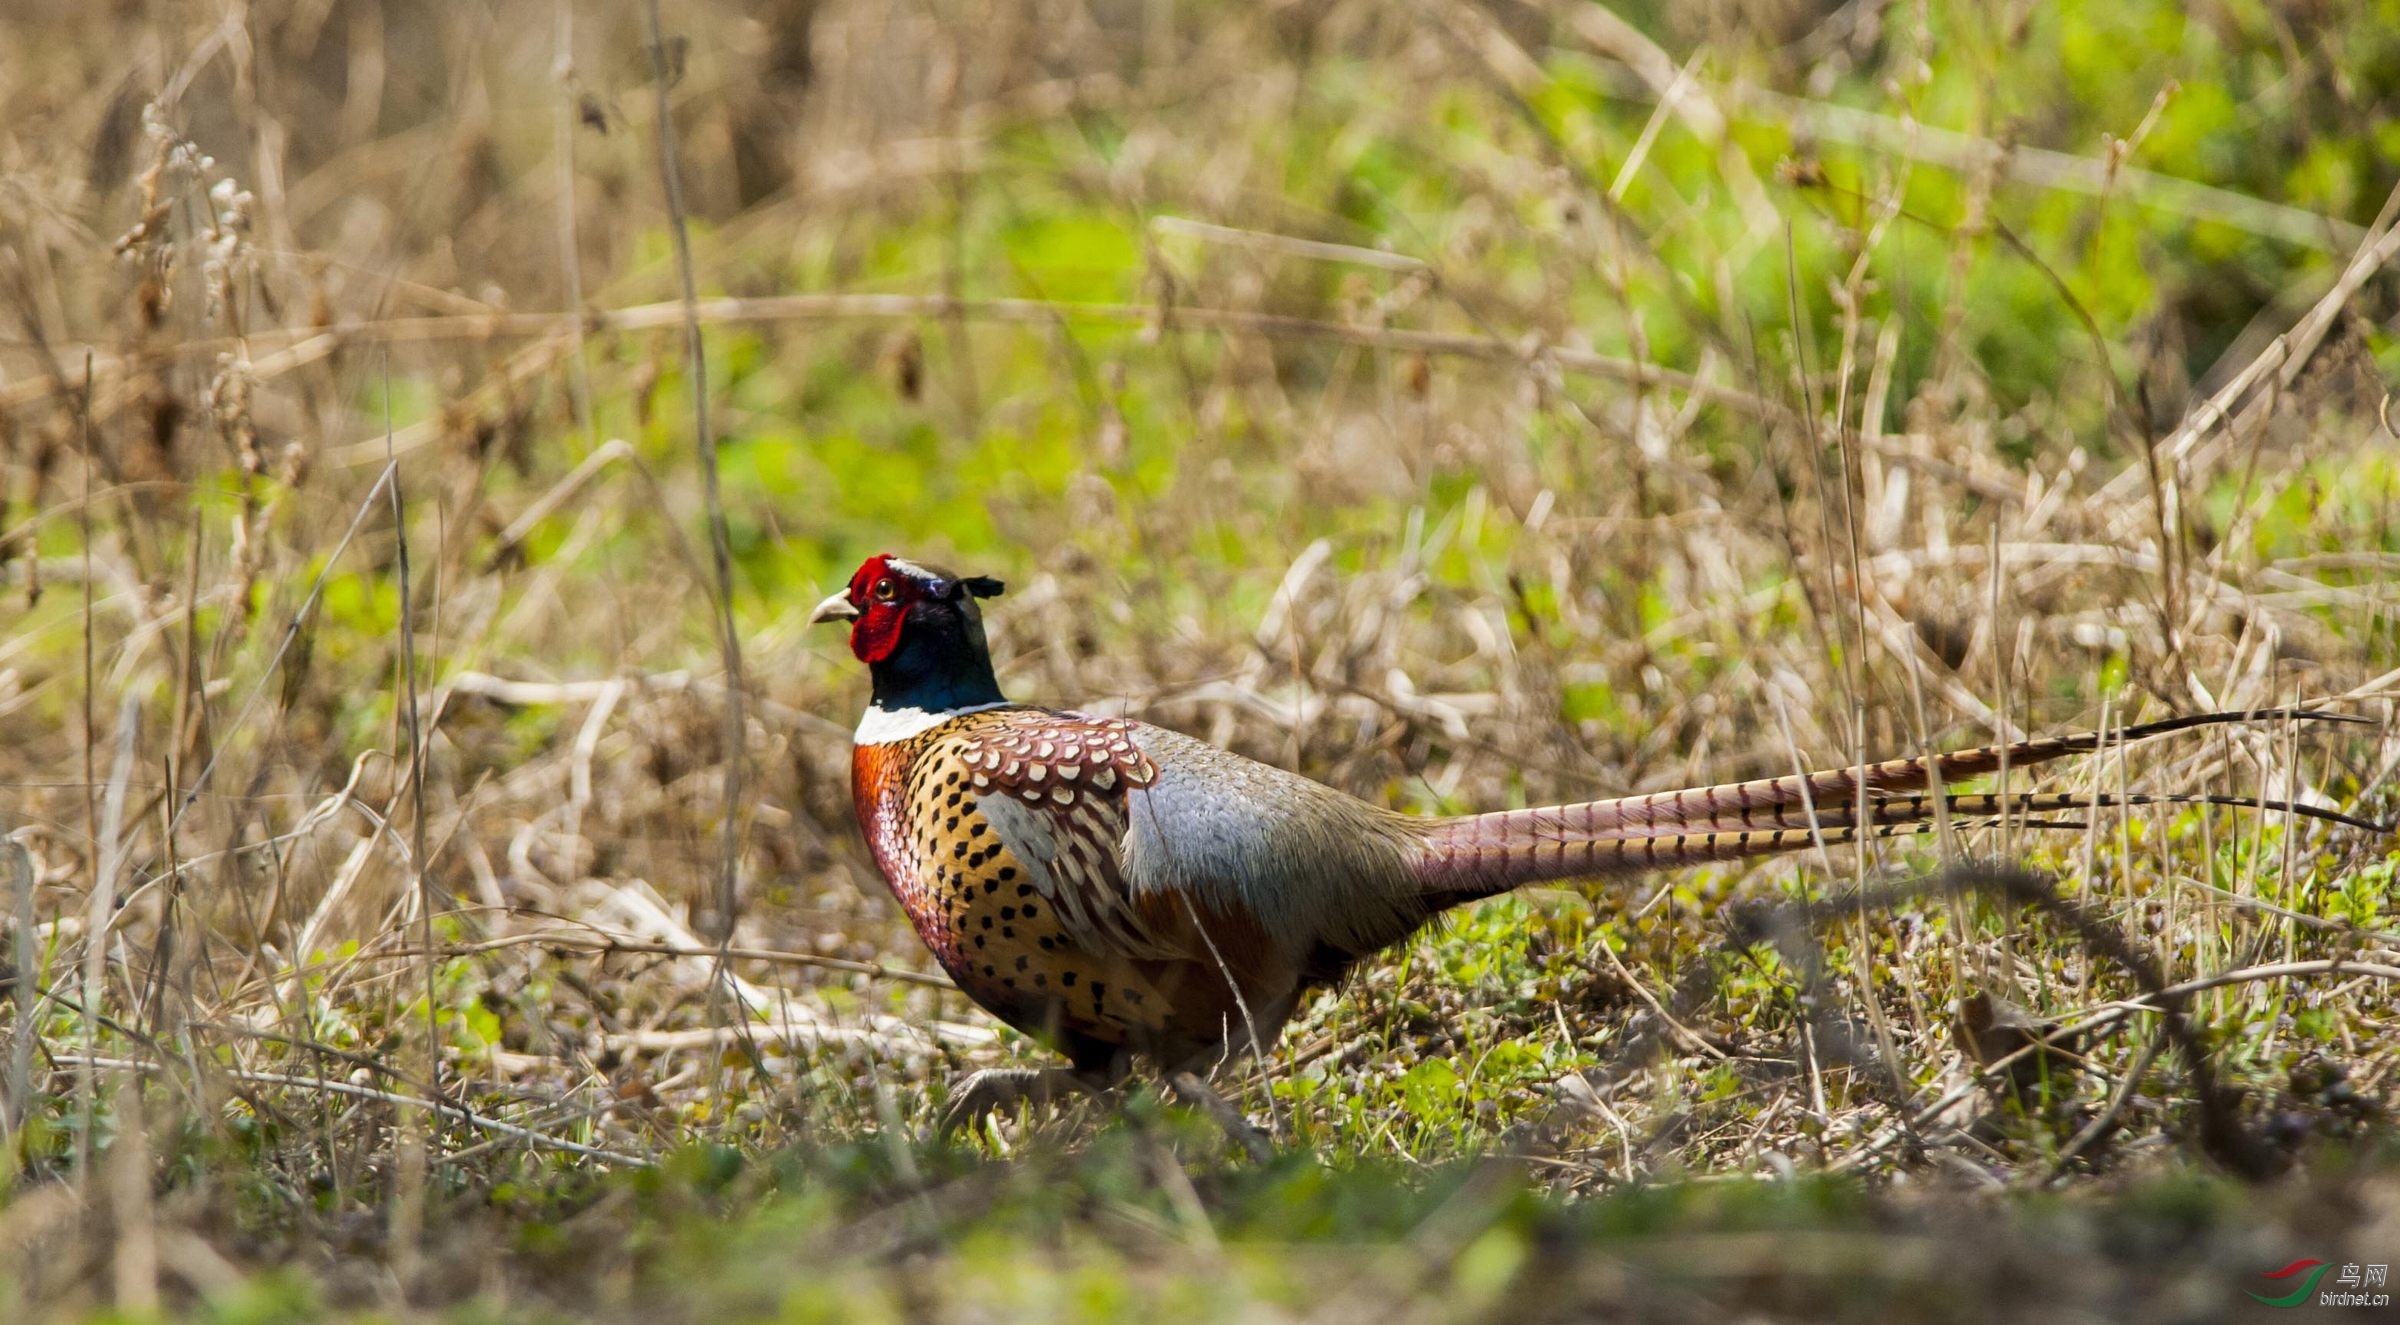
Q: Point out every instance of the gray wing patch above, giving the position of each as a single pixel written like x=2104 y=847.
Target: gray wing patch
x=1307 y=862
x=1027 y=833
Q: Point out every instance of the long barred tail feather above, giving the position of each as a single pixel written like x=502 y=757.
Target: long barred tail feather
x=1916 y=809
x=1451 y=875
x=1921 y=809
x=1478 y=855
x=1725 y=804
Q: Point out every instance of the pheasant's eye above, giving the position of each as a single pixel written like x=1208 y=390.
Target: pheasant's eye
x=886 y=591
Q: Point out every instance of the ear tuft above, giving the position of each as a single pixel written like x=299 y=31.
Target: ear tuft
x=982 y=586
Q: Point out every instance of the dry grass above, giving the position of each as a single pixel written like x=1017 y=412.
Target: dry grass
x=1326 y=382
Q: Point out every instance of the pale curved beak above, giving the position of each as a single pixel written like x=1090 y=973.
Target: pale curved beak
x=834 y=608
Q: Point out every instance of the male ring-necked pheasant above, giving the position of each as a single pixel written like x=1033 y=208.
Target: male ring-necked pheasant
x=1115 y=888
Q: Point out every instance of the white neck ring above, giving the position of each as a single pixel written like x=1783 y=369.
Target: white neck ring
x=882 y=726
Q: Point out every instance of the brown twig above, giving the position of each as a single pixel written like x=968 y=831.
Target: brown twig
x=434 y=1108
x=729 y=832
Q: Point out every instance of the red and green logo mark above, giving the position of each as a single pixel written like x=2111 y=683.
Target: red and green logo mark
x=2316 y=1270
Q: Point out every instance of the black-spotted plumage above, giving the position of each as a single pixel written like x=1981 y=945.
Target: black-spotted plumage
x=1003 y=861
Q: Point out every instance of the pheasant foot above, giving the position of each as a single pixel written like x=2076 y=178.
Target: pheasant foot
x=1194 y=1091
x=998 y=1088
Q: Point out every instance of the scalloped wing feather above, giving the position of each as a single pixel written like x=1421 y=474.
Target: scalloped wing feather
x=1054 y=786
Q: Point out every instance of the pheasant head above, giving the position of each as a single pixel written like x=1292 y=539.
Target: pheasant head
x=919 y=632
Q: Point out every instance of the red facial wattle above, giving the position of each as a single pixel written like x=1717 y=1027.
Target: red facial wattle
x=877 y=631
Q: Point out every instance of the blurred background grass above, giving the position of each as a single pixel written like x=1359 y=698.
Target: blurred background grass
x=1465 y=404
